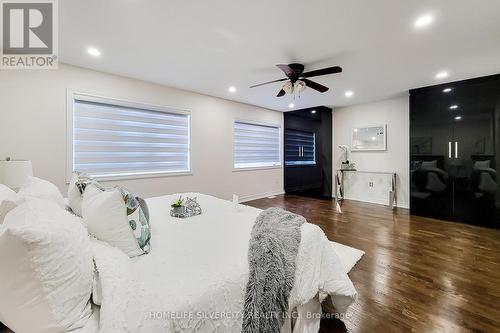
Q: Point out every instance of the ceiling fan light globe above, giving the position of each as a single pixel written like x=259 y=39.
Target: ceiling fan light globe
x=300 y=86
x=288 y=87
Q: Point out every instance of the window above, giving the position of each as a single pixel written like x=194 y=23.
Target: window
x=112 y=139
x=256 y=146
x=300 y=148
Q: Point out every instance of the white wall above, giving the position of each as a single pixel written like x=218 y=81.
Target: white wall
x=394 y=113
x=33 y=126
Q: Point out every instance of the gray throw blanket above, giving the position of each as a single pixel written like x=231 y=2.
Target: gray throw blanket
x=272 y=253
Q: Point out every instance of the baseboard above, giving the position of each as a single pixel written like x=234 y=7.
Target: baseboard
x=259 y=196
x=384 y=203
x=251 y=197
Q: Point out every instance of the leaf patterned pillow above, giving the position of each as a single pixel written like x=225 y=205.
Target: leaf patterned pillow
x=138 y=219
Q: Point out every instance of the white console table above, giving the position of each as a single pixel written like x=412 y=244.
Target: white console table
x=340 y=188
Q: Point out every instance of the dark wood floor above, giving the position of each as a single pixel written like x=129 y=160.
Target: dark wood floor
x=418 y=274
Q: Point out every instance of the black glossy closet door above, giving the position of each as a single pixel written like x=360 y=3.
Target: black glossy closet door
x=431 y=154
x=463 y=117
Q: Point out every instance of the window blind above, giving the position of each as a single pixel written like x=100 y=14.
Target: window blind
x=300 y=148
x=256 y=145
x=113 y=140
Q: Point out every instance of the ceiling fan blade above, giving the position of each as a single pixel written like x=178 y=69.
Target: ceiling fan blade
x=324 y=71
x=286 y=69
x=261 y=84
x=315 y=86
x=281 y=93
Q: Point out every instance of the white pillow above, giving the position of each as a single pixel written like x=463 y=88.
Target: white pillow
x=8 y=201
x=429 y=164
x=35 y=187
x=47 y=269
x=482 y=164
x=5 y=207
x=8 y=194
x=74 y=195
x=105 y=215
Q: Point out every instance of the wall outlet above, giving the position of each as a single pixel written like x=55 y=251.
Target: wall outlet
x=370 y=184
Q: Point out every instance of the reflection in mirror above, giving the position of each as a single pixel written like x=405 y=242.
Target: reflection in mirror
x=369 y=138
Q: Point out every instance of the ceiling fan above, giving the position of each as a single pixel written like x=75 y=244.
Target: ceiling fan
x=297 y=80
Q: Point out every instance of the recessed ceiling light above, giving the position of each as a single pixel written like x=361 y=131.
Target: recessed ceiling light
x=232 y=89
x=458 y=118
x=291 y=105
x=349 y=93
x=447 y=90
x=442 y=75
x=454 y=107
x=313 y=111
x=424 y=21
x=93 y=52
x=374 y=138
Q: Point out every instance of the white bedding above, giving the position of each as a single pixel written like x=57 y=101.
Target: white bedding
x=194 y=279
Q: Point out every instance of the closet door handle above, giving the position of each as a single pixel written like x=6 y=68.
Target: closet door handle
x=298 y=153
x=449 y=149
x=456 y=149
x=302 y=151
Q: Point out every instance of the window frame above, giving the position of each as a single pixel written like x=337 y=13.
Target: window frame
x=72 y=96
x=257 y=123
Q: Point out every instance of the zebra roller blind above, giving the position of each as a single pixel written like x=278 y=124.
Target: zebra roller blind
x=300 y=148
x=119 y=141
x=256 y=145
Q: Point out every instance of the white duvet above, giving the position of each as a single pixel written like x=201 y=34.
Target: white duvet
x=194 y=279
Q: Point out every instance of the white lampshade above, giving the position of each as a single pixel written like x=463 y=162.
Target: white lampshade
x=300 y=86
x=14 y=173
x=288 y=87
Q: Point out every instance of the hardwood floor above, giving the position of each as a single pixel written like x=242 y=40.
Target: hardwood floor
x=418 y=274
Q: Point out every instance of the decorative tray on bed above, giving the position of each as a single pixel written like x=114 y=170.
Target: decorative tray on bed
x=189 y=209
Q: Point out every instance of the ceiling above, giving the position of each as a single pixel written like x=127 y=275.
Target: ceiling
x=207 y=46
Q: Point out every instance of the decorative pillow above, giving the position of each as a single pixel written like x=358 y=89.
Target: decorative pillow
x=75 y=195
x=46 y=271
x=138 y=219
x=36 y=188
x=429 y=164
x=482 y=164
x=76 y=187
x=115 y=216
x=414 y=165
x=487 y=183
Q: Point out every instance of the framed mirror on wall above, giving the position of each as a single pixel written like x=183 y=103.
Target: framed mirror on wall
x=369 y=138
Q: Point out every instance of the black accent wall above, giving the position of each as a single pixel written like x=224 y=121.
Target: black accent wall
x=301 y=176
x=455 y=151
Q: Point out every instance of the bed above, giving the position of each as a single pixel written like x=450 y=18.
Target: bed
x=192 y=278
x=195 y=276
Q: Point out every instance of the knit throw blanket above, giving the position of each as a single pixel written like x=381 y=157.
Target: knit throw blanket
x=273 y=248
